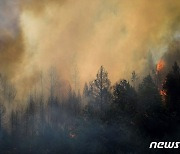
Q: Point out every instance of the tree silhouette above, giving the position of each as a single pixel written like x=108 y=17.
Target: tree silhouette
x=124 y=97
x=2 y=113
x=149 y=96
x=151 y=118
x=171 y=87
x=99 y=88
x=86 y=90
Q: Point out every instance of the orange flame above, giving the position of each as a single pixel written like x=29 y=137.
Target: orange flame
x=160 y=65
x=163 y=93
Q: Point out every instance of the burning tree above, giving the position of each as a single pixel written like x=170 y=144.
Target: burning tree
x=150 y=106
x=160 y=65
x=159 y=69
x=149 y=97
x=172 y=89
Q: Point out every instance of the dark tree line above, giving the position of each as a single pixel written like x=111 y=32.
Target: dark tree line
x=119 y=118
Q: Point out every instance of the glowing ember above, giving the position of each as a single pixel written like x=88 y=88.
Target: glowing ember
x=160 y=65
x=163 y=93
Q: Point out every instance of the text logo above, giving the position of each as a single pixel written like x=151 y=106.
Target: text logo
x=164 y=145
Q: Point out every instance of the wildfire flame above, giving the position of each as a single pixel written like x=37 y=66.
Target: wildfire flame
x=160 y=65
x=163 y=93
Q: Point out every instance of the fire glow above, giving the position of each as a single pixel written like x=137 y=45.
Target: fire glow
x=160 y=65
x=163 y=93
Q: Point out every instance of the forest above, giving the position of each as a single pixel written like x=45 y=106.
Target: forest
x=124 y=117
x=89 y=76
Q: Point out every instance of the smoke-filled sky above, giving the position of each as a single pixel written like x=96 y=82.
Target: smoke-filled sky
x=83 y=35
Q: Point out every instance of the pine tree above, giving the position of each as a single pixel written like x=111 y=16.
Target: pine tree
x=149 y=95
x=172 y=89
x=151 y=117
x=124 y=98
x=100 y=87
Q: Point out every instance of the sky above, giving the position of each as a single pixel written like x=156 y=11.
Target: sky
x=80 y=36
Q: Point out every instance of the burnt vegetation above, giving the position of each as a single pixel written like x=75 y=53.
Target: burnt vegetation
x=120 y=118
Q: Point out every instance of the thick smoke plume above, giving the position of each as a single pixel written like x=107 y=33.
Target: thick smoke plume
x=77 y=37
x=11 y=38
x=172 y=55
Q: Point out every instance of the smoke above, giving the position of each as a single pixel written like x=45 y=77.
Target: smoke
x=11 y=39
x=84 y=35
x=172 y=55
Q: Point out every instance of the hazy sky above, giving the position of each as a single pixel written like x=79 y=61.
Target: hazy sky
x=83 y=35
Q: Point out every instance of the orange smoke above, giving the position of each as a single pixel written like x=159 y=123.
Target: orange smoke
x=160 y=65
